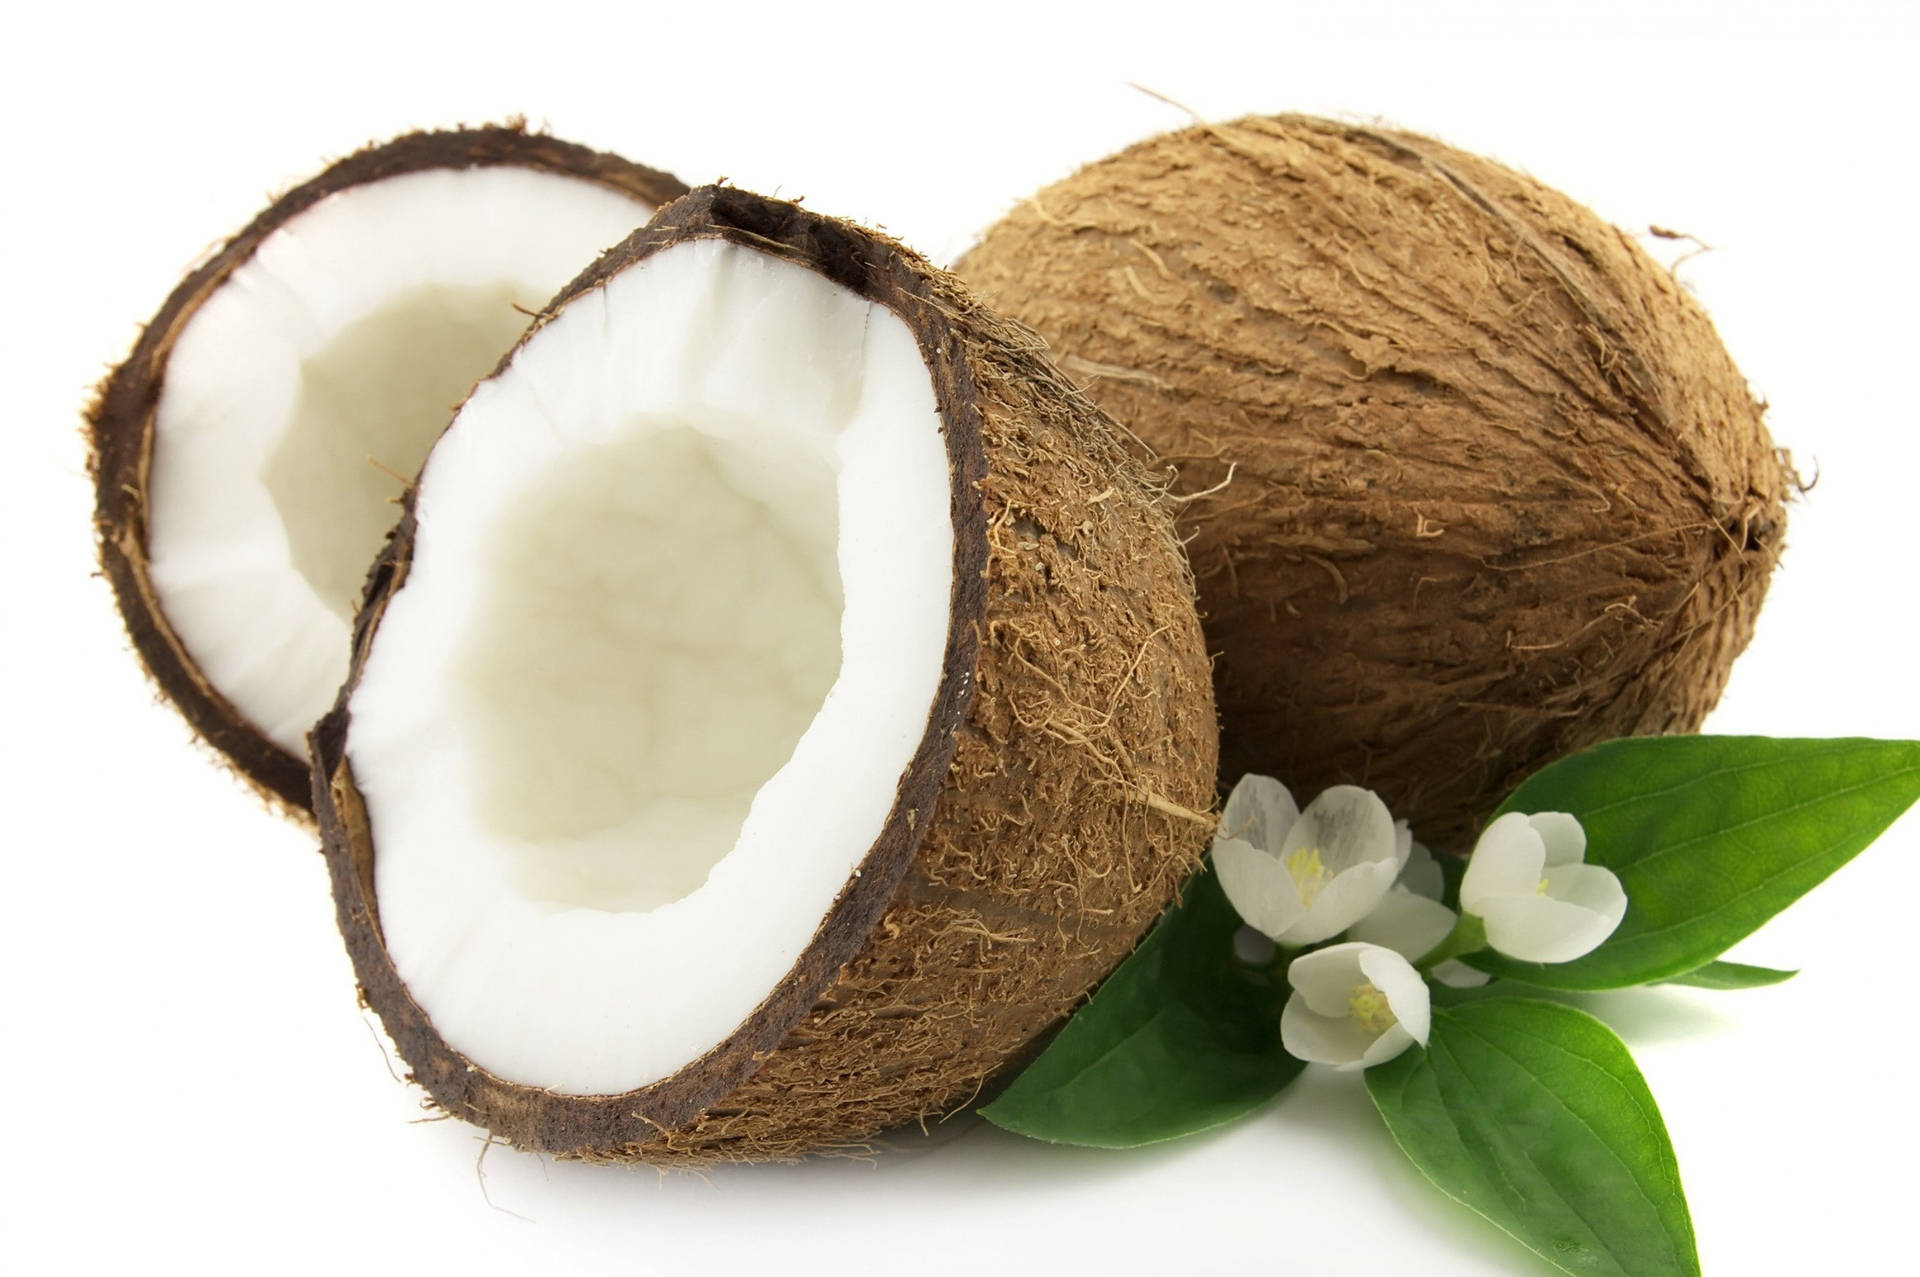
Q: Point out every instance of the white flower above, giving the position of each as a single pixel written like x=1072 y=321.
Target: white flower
x=1421 y=874
x=1413 y=929
x=1353 y=1006
x=1526 y=882
x=1406 y=922
x=1302 y=877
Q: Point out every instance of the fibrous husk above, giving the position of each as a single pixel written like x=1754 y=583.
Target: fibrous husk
x=1051 y=810
x=120 y=419
x=1469 y=481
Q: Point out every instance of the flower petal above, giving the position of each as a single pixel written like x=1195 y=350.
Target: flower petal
x=1322 y=1039
x=1565 y=840
x=1422 y=875
x=1385 y=1047
x=1402 y=842
x=1405 y=991
x=1592 y=888
x=1258 y=886
x=1326 y=977
x=1589 y=886
x=1538 y=928
x=1349 y=825
x=1259 y=811
x=1456 y=974
x=1351 y=896
x=1508 y=860
x=1410 y=925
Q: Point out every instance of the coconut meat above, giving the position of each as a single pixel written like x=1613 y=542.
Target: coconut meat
x=301 y=396
x=671 y=635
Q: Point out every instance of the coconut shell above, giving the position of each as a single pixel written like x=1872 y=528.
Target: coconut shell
x=1468 y=481
x=120 y=419
x=1053 y=807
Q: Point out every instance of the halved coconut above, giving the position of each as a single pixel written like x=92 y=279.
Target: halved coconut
x=782 y=701
x=249 y=455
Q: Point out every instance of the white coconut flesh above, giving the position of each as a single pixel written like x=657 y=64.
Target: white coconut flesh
x=670 y=637
x=301 y=397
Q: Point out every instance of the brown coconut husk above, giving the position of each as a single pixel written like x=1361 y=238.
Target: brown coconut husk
x=1051 y=811
x=1468 y=481
x=120 y=419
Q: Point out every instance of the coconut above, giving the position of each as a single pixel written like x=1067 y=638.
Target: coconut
x=249 y=454
x=782 y=699
x=1468 y=480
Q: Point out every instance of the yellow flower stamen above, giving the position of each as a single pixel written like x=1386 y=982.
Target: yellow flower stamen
x=1370 y=1009
x=1309 y=874
x=1541 y=890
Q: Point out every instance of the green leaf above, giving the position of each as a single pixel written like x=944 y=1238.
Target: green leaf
x=1180 y=1039
x=1711 y=836
x=1534 y=1115
x=1732 y=975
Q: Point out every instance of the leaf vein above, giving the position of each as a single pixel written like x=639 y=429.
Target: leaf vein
x=1840 y=746
x=1467 y=1076
x=1771 y=814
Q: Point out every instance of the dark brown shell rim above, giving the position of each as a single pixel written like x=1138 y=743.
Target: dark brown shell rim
x=539 y=1119
x=119 y=421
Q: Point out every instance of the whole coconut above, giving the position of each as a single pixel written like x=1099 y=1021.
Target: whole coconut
x=1469 y=481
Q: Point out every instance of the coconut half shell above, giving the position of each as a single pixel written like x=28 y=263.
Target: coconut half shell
x=1468 y=480
x=121 y=420
x=1054 y=803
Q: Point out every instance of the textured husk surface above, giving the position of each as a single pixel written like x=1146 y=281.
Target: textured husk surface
x=120 y=419
x=1053 y=808
x=1482 y=485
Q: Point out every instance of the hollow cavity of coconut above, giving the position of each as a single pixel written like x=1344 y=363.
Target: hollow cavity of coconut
x=250 y=454
x=1496 y=490
x=782 y=701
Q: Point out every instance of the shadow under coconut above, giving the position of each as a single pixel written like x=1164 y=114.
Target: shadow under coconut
x=1318 y=1159
x=1005 y=1163
x=1322 y=1136
x=1321 y=1109
x=963 y=1151
x=963 y=1154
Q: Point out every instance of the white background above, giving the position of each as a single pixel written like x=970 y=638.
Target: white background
x=186 y=1072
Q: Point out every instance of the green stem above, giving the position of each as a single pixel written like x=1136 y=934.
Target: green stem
x=1469 y=935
